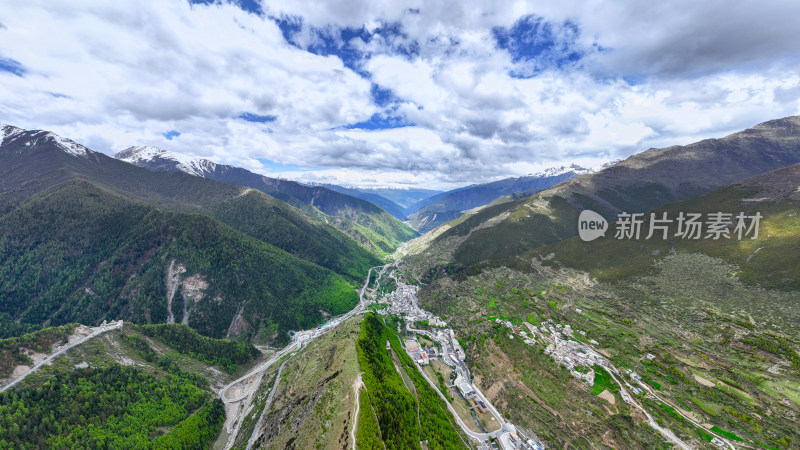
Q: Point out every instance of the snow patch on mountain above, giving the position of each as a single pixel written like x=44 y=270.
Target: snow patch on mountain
x=68 y=145
x=145 y=155
x=611 y=163
x=556 y=171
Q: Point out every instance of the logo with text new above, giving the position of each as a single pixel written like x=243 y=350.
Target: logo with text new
x=591 y=225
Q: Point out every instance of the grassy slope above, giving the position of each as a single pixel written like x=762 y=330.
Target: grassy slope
x=760 y=277
x=686 y=337
x=373 y=235
x=776 y=265
x=313 y=406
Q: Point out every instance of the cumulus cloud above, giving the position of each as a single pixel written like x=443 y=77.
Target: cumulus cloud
x=440 y=94
x=154 y=66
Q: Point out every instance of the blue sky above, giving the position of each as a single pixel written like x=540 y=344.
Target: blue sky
x=437 y=94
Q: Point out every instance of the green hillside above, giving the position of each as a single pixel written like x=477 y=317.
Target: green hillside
x=377 y=230
x=77 y=252
x=771 y=261
x=270 y=220
x=116 y=407
x=406 y=414
x=758 y=277
x=28 y=169
x=368 y=224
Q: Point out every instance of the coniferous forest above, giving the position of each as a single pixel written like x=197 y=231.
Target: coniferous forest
x=404 y=418
x=222 y=352
x=113 y=407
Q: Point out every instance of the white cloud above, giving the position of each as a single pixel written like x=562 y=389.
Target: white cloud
x=114 y=74
x=149 y=67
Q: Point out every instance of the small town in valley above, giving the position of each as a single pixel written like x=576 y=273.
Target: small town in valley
x=440 y=346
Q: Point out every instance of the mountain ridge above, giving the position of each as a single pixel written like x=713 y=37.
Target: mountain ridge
x=642 y=182
x=434 y=211
x=362 y=220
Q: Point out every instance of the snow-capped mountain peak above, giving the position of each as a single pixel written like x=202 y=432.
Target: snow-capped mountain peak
x=153 y=157
x=8 y=133
x=556 y=171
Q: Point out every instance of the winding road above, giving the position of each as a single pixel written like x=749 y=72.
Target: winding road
x=252 y=380
x=96 y=331
x=461 y=369
x=669 y=435
x=254 y=435
x=649 y=391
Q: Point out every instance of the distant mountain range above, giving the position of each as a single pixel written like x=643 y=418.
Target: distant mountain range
x=361 y=219
x=421 y=209
x=393 y=200
x=431 y=212
x=370 y=196
x=404 y=197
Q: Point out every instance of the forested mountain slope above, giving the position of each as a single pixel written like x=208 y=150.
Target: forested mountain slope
x=86 y=237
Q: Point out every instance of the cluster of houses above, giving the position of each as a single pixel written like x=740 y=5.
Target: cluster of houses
x=456 y=346
x=526 y=338
x=403 y=302
x=449 y=337
x=568 y=352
